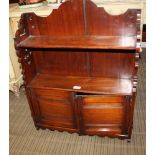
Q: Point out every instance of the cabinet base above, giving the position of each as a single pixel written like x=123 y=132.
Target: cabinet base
x=43 y=127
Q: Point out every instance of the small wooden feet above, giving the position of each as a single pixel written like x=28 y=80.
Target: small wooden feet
x=40 y=127
x=37 y=127
x=128 y=140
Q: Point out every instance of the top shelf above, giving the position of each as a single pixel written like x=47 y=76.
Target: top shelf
x=81 y=42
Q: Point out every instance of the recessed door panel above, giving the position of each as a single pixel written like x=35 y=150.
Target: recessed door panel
x=55 y=108
x=104 y=115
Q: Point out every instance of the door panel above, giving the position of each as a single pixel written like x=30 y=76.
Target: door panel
x=55 y=108
x=104 y=115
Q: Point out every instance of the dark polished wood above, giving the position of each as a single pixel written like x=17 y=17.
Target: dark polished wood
x=82 y=42
x=108 y=109
x=79 y=67
x=144 y=33
x=13 y=1
x=88 y=85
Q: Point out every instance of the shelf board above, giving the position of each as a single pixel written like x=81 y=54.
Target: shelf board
x=80 y=42
x=106 y=86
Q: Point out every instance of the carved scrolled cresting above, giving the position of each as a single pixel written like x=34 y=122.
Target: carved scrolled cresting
x=81 y=19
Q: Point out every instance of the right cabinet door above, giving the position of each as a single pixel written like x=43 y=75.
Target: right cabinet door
x=105 y=115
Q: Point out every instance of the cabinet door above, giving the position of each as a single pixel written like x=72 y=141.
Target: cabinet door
x=54 y=109
x=105 y=115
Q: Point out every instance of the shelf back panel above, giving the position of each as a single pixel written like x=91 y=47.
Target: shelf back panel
x=85 y=63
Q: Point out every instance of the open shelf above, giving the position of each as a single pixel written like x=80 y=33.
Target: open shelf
x=106 y=86
x=82 y=42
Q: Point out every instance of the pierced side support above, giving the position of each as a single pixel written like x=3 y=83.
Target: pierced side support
x=138 y=50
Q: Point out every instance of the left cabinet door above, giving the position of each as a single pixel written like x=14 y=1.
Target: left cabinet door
x=54 y=109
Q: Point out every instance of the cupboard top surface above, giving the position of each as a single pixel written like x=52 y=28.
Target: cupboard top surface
x=83 y=84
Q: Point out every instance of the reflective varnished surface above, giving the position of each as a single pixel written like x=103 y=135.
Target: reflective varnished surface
x=79 y=67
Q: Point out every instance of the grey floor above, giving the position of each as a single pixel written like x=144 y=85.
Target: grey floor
x=26 y=140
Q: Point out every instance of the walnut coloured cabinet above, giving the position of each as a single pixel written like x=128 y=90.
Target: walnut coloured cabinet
x=79 y=66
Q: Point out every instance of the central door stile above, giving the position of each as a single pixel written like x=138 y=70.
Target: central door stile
x=78 y=102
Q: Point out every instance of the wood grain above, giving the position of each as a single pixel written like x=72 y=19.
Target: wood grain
x=88 y=85
x=84 y=42
x=79 y=67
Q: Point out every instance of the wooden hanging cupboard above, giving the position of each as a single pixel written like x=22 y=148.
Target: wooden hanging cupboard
x=79 y=66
